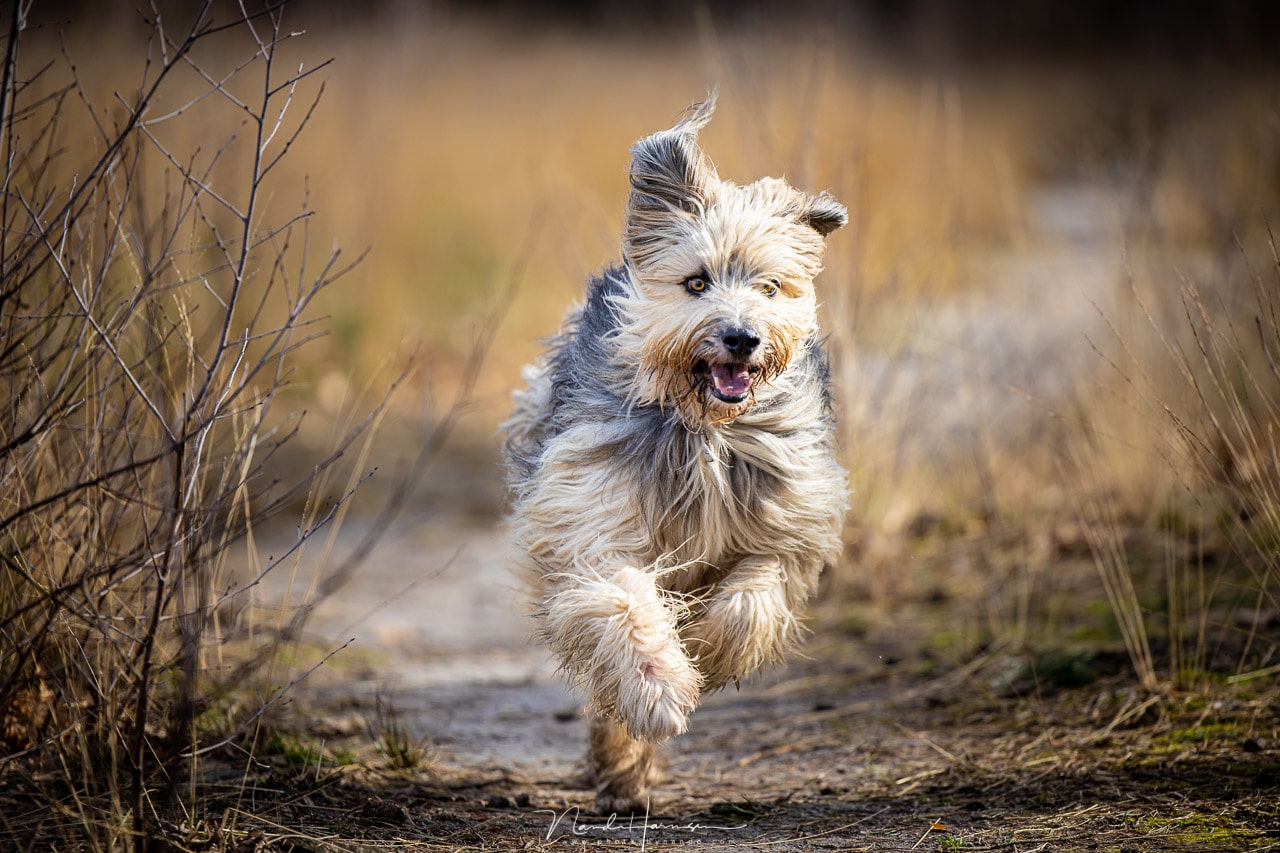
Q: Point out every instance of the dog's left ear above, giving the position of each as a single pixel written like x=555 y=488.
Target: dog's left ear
x=822 y=213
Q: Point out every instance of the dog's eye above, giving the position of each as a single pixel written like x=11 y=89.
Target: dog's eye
x=695 y=284
x=771 y=287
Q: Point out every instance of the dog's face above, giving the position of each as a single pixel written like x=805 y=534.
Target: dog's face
x=723 y=274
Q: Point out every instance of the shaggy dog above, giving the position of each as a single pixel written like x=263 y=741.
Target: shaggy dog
x=671 y=462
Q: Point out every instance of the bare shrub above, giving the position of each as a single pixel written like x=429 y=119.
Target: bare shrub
x=150 y=313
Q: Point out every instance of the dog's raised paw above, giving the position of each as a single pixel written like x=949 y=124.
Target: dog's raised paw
x=655 y=702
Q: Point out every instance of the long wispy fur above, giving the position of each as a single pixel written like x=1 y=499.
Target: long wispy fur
x=671 y=460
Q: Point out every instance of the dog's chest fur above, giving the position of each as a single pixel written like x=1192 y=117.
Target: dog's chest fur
x=704 y=498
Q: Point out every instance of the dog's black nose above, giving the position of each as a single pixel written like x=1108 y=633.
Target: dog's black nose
x=740 y=342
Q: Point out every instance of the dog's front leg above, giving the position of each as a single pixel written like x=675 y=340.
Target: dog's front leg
x=616 y=636
x=749 y=621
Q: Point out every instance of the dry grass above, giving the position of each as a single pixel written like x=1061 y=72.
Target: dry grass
x=151 y=315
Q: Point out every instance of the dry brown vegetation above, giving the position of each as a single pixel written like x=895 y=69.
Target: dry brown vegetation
x=1054 y=313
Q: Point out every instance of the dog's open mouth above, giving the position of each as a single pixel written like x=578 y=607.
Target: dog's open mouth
x=731 y=381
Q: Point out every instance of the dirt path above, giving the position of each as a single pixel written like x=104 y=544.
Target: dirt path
x=841 y=750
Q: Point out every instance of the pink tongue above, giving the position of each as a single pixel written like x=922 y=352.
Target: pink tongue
x=732 y=380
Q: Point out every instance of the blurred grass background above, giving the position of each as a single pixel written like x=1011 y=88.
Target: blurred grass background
x=1032 y=199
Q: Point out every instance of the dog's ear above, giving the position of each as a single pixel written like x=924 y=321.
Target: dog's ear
x=669 y=172
x=822 y=213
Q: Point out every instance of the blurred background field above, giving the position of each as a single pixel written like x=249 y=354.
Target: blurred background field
x=1053 y=313
x=1050 y=210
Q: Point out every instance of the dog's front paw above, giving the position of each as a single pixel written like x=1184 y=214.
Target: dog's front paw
x=746 y=626
x=619 y=639
x=655 y=701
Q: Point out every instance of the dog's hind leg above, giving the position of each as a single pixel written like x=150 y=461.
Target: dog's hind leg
x=622 y=768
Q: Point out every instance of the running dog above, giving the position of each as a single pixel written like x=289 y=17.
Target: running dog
x=671 y=462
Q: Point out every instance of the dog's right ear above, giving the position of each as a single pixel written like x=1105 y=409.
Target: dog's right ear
x=669 y=170
x=670 y=176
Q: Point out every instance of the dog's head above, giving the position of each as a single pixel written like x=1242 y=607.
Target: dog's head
x=723 y=296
